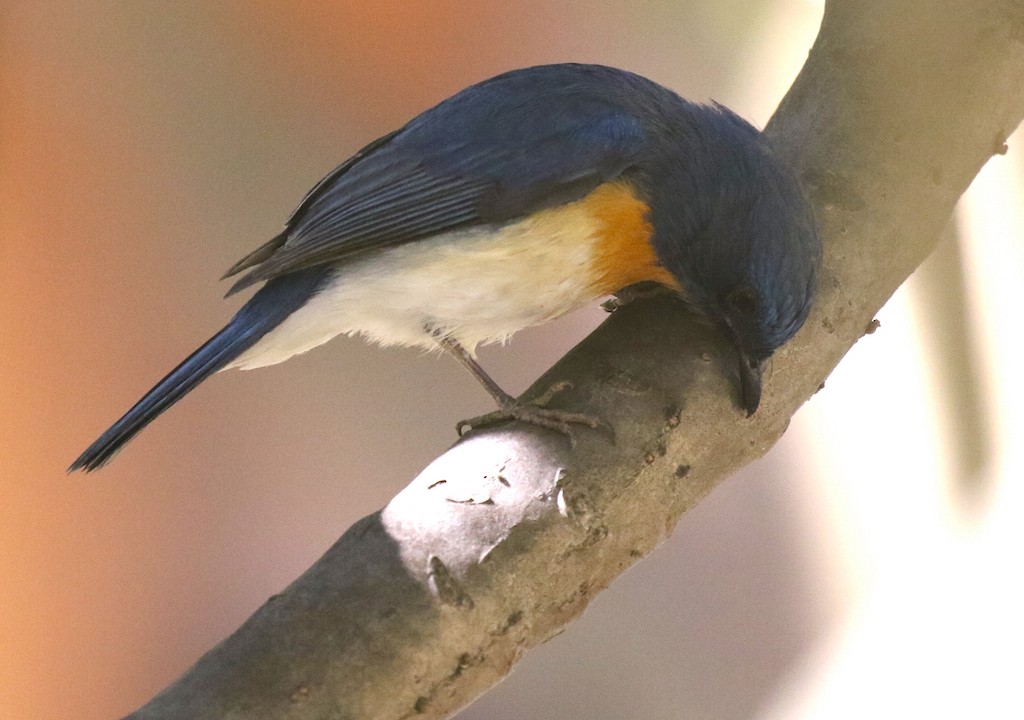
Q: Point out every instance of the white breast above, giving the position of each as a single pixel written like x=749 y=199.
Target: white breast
x=478 y=285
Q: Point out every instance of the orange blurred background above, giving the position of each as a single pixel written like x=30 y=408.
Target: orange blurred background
x=146 y=146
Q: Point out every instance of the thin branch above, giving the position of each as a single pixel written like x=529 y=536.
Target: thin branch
x=505 y=538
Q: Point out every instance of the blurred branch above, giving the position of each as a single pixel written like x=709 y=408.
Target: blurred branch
x=943 y=303
x=506 y=538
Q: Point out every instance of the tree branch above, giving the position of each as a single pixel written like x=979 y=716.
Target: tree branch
x=505 y=538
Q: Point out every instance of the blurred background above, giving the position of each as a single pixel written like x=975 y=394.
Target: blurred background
x=870 y=565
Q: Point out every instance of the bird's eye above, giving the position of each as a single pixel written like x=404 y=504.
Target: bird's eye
x=744 y=300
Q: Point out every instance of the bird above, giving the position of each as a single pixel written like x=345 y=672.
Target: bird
x=512 y=202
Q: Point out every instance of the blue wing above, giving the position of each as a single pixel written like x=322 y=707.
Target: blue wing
x=501 y=149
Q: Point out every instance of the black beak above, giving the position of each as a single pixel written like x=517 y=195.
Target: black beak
x=751 y=372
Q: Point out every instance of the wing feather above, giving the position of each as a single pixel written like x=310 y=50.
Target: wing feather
x=498 y=150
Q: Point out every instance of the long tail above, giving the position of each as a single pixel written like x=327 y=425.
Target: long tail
x=275 y=301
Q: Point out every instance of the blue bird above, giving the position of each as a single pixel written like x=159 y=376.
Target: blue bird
x=512 y=202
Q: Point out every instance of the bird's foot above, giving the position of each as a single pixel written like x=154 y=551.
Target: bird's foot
x=534 y=412
x=632 y=293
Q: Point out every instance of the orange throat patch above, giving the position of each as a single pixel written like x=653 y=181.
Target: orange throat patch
x=623 y=252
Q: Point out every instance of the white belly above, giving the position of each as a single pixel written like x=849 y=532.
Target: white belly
x=478 y=285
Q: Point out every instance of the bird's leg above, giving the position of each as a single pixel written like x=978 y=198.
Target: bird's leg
x=466 y=360
x=510 y=408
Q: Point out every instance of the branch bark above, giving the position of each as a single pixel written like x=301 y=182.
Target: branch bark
x=505 y=538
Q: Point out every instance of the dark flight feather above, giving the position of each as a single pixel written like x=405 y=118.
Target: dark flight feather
x=262 y=313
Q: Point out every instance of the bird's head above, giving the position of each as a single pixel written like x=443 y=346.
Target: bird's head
x=743 y=247
x=762 y=294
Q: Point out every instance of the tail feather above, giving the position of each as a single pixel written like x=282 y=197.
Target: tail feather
x=275 y=301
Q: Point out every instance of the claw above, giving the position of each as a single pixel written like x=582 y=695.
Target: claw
x=534 y=413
